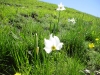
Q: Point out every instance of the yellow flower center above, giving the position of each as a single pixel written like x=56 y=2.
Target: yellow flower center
x=53 y=48
x=91 y=45
x=60 y=7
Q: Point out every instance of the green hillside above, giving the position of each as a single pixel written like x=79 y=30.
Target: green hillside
x=24 y=26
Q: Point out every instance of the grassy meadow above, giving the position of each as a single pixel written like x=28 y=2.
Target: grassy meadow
x=24 y=24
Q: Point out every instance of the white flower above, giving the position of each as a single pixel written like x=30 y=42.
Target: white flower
x=72 y=20
x=87 y=71
x=61 y=7
x=52 y=44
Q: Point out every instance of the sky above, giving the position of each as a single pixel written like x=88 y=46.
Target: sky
x=88 y=6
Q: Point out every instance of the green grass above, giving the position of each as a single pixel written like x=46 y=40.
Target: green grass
x=21 y=20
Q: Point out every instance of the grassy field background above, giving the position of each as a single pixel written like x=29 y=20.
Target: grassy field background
x=21 y=20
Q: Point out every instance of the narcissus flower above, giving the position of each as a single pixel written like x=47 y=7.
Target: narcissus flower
x=72 y=20
x=91 y=45
x=52 y=44
x=61 y=7
x=17 y=73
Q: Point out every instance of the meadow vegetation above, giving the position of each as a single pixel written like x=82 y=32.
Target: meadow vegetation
x=24 y=24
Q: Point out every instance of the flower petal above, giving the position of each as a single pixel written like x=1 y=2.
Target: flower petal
x=61 y=5
x=58 y=8
x=48 y=50
x=56 y=40
x=53 y=41
x=59 y=46
x=63 y=8
x=50 y=37
x=48 y=43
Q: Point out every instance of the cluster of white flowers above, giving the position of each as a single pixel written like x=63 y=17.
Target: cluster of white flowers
x=61 y=8
x=72 y=20
x=53 y=43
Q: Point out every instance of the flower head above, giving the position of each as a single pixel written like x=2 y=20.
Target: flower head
x=91 y=45
x=72 y=20
x=60 y=7
x=37 y=47
x=17 y=73
x=87 y=71
x=37 y=50
x=97 y=39
x=52 y=44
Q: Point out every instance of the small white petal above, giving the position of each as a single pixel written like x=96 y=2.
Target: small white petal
x=48 y=50
x=72 y=20
x=56 y=40
x=87 y=71
x=59 y=46
x=60 y=3
x=58 y=9
x=53 y=41
x=48 y=43
x=63 y=8
x=51 y=37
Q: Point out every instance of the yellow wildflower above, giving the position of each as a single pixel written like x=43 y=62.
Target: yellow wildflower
x=91 y=45
x=17 y=73
x=97 y=39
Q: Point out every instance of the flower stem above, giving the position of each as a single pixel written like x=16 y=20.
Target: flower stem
x=58 y=20
x=37 y=48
